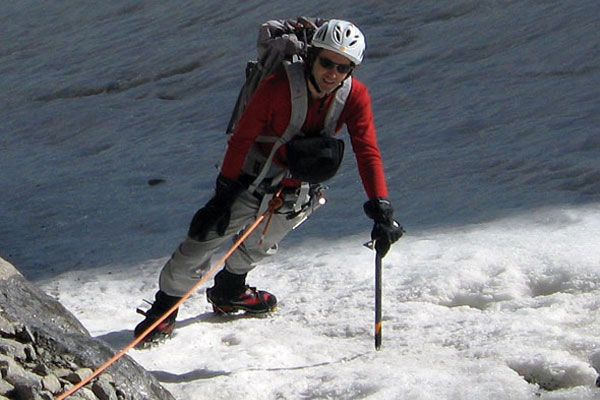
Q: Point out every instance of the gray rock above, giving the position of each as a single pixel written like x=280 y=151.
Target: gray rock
x=104 y=390
x=24 y=392
x=52 y=384
x=62 y=372
x=42 y=369
x=79 y=375
x=16 y=375
x=5 y=388
x=13 y=348
x=6 y=327
x=86 y=394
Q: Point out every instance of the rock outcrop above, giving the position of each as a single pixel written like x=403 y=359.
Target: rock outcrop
x=45 y=350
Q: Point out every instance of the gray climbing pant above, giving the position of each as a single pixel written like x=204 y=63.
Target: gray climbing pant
x=192 y=258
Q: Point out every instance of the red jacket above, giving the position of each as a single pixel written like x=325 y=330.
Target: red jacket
x=268 y=114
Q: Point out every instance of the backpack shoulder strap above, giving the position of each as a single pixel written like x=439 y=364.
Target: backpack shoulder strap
x=299 y=99
x=299 y=107
x=336 y=107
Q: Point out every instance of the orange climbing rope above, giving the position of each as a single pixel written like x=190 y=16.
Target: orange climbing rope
x=274 y=204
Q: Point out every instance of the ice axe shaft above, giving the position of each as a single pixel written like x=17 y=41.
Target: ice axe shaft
x=378 y=292
x=378 y=285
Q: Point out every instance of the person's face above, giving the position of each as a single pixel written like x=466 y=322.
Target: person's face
x=330 y=69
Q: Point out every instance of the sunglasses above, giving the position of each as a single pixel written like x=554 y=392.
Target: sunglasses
x=328 y=64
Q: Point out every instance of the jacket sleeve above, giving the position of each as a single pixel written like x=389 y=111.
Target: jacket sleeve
x=361 y=128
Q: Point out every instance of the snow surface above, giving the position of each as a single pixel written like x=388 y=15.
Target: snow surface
x=487 y=115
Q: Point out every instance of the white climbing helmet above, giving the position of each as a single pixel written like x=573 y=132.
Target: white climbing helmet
x=342 y=37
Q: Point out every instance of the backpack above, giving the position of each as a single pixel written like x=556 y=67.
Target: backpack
x=278 y=41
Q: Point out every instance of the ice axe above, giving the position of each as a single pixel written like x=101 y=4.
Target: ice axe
x=379 y=250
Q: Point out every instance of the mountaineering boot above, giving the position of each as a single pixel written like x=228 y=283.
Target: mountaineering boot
x=231 y=294
x=163 y=302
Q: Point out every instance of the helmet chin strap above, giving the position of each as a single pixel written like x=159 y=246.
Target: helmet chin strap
x=312 y=79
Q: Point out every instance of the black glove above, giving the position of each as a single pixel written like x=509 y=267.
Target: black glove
x=217 y=212
x=386 y=230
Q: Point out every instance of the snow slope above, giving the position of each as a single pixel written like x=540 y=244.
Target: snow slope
x=487 y=115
